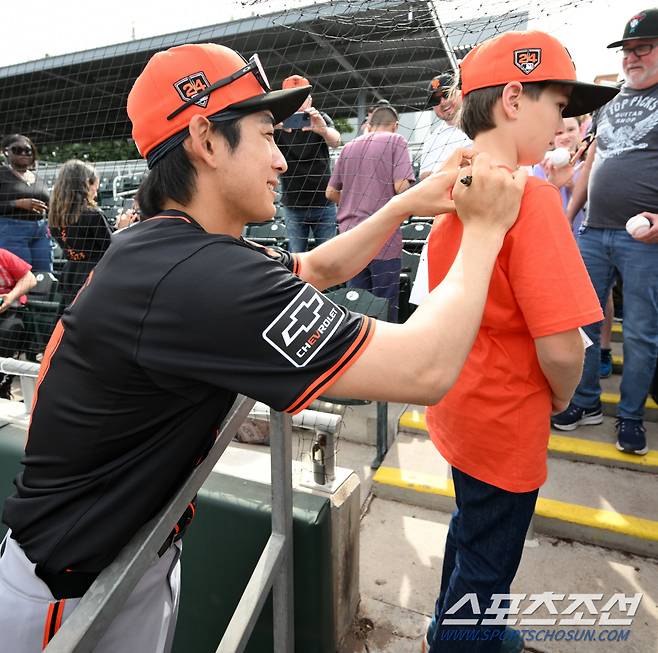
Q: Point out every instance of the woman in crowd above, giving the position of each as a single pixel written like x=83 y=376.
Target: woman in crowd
x=567 y=137
x=77 y=224
x=23 y=205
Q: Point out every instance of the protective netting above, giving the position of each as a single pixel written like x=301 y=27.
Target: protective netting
x=357 y=54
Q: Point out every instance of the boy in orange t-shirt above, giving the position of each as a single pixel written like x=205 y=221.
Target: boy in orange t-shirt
x=493 y=425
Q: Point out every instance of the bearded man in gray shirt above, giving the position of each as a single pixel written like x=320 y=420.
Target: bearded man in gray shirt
x=623 y=183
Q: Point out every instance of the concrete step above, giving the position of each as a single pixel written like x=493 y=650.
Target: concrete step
x=592 y=444
x=615 y=508
x=401 y=562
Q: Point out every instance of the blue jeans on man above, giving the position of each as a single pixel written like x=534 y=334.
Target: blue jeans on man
x=381 y=277
x=482 y=554
x=29 y=240
x=300 y=222
x=604 y=251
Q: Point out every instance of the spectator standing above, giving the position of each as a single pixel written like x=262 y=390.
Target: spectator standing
x=492 y=427
x=365 y=125
x=77 y=224
x=622 y=184
x=445 y=102
x=306 y=150
x=371 y=170
x=16 y=279
x=447 y=136
x=23 y=205
x=564 y=177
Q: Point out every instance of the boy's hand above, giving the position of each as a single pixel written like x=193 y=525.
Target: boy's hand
x=493 y=197
x=558 y=405
x=432 y=195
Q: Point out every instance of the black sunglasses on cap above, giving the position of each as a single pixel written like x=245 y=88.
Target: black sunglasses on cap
x=253 y=66
x=18 y=150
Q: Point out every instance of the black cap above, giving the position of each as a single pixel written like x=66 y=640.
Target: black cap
x=436 y=88
x=644 y=25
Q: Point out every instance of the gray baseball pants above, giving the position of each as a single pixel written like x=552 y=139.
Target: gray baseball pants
x=30 y=615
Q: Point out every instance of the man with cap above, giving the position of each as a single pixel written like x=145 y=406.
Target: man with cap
x=181 y=314
x=442 y=142
x=447 y=136
x=306 y=150
x=623 y=184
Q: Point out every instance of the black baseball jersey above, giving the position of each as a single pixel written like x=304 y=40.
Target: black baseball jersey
x=142 y=369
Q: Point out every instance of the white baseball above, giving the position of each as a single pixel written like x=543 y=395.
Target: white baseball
x=559 y=157
x=638 y=225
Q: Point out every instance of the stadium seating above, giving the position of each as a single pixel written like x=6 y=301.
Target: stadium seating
x=414 y=235
x=268 y=233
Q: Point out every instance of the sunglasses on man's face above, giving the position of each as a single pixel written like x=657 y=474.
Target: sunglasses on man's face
x=21 y=151
x=252 y=66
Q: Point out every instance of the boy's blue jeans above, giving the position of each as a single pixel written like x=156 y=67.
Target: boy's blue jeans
x=603 y=251
x=483 y=551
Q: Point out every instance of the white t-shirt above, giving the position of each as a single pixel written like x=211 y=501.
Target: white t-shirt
x=443 y=141
x=437 y=148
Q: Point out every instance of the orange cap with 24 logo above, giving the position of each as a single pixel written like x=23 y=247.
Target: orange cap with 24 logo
x=526 y=57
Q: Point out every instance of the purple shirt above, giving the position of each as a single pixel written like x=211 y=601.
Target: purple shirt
x=364 y=174
x=565 y=194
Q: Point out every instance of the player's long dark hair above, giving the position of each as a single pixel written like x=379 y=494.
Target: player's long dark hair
x=174 y=177
x=70 y=196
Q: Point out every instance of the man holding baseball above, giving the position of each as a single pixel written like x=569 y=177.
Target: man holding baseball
x=622 y=185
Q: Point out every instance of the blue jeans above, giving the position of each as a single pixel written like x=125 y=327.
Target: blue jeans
x=300 y=222
x=28 y=239
x=603 y=251
x=483 y=551
x=382 y=279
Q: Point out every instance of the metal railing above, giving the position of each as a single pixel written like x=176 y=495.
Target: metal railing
x=98 y=607
x=84 y=628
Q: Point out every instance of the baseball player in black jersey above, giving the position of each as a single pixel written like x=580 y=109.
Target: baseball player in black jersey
x=181 y=314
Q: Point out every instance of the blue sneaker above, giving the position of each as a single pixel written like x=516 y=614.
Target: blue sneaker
x=575 y=416
x=605 y=368
x=631 y=436
x=512 y=640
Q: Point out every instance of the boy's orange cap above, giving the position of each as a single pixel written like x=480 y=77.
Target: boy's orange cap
x=530 y=57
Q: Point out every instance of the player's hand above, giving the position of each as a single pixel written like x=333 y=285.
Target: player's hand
x=432 y=195
x=651 y=236
x=318 y=124
x=493 y=198
x=31 y=204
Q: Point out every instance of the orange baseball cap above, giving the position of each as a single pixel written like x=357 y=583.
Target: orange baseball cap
x=530 y=57
x=294 y=81
x=206 y=79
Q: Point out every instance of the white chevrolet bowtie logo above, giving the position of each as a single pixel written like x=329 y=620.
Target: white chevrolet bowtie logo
x=310 y=312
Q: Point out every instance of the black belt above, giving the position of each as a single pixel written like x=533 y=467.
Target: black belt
x=73 y=584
